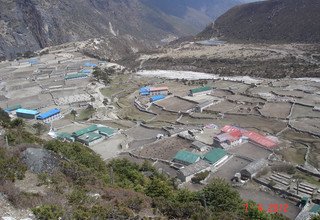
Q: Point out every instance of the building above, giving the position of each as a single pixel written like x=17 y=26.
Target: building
x=222 y=139
x=106 y=131
x=26 y=113
x=63 y=136
x=157 y=98
x=86 y=71
x=159 y=90
x=83 y=131
x=12 y=108
x=75 y=76
x=89 y=64
x=200 y=146
x=200 y=107
x=144 y=91
x=260 y=140
x=50 y=115
x=251 y=170
x=216 y=156
x=200 y=91
x=186 y=157
x=90 y=138
x=185 y=174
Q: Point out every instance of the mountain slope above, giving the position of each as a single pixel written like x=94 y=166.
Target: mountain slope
x=34 y=24
x=269 y=21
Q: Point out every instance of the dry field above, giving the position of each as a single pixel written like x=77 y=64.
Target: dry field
x=276 y=110
x=176 y=104
x=250 y=150
x=164 y=149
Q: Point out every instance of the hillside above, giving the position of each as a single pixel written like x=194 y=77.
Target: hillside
x=279 y=21
x=28 y=25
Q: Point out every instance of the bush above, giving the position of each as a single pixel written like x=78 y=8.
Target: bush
x=200 y=176
x=11 y=168
x=48 y=212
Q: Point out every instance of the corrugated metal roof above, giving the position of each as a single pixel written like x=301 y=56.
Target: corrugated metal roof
x=64 y=135
x=201 y=89
x=186 y=156
x=157 y=97
x=106 y=130
x=48 y=114
x=85 y=130
x=155 y=89
x=260 y=139
x=89 y=137
x=89 y=64
x=215 y=155
x=194 y=168
x=76 y=75
x=27 y=111
x=13 y=107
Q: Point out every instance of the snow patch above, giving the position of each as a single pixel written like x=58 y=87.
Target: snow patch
x=111 y=29
x=190 y=75
x=308 y=79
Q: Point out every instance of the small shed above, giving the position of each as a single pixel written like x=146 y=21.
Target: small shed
x=253 y=168
x=185 y=174
x=200 y=146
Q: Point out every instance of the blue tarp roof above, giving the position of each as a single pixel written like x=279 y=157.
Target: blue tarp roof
x=27 y=111
x=157 y=97
x=33 y=61
x=48 y=114
x=85 y=71
x=88 y=64
x=144 y=90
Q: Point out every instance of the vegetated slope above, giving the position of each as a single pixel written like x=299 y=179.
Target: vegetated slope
x=34 y=24
x=269 y=21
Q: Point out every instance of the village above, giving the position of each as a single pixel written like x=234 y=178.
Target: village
x=246 y=131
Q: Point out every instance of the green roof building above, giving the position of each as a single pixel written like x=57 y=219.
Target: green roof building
x=216 y=156
x=90 y=138
x=200 y=91
x=106 y=131
x=75 y=76
x=12 y=108
x=65 y=137
x=186 y=157
x=85 y=130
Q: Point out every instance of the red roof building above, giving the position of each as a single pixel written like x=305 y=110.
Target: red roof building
x=260 y=139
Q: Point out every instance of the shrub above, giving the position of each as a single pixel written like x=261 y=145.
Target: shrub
x=46 y=212
x=200 y=176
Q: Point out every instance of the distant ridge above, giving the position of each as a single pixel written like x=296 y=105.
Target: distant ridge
x=278 y=21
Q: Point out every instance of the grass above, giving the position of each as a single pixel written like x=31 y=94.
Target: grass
x=307 y=178
x=83 y=115
x=295 y=155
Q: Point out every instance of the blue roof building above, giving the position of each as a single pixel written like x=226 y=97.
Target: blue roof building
x=144 y=90
x=48 y=114
x=86 y=71
x=89 y=64
x=157 y=98
x=26 y=113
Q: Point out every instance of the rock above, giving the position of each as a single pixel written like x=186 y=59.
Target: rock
x=8 y=218
x=41 y=160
